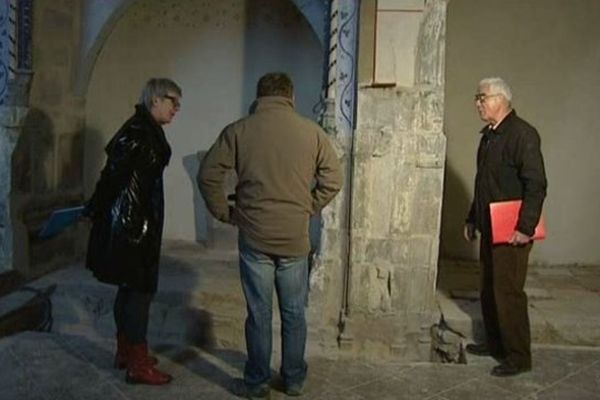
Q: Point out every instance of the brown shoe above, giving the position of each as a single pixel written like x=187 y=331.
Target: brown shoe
x=507 y=368
x=482 y=349
x=478 y=349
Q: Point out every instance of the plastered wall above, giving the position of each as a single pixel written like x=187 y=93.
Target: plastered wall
x=549 y=52
x=216 y=51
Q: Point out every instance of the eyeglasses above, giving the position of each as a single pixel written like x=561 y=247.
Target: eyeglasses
x=173 y=99
x=482 y=97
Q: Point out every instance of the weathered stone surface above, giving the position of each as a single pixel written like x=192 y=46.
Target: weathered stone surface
x=21 y=165
x=403 y=201
x=11 y=120
x=431 y=151
x=70 y=160
x=427 y=201
x=415 y=289
x=45 y=167
x=59 y=57
x=379 y=198
x=58 y=22
x=50 y=87
x=379 y=108
x=33 y=159
x=431 y=48
x=358 y=246
x=379 y=297
x=396 y=189
x=429 y=117
x=333 y=244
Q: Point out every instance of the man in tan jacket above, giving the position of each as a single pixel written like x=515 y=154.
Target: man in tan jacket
x=287 y=171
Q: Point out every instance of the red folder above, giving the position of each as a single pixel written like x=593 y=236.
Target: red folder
x=504 y=215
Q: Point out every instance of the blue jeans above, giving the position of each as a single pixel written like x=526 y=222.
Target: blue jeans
x=259 y=271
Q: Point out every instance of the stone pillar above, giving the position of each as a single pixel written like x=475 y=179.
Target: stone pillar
x=396 y=200
x=11 y=122
x=15 y=78
x=378 y=263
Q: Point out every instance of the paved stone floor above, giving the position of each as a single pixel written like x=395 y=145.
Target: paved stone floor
x=43 y=366
x=199 y=305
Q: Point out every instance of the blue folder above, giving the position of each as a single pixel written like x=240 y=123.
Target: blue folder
x=59 y=220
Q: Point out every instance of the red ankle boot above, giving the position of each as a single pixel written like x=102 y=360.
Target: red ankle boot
x=122 y=354
x=139 y=370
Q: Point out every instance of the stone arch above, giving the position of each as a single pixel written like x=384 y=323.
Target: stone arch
x=100 y=17
x=199 y=44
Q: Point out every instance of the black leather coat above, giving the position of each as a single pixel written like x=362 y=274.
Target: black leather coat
x=127 y=208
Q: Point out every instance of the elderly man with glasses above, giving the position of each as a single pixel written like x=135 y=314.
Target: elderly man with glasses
x=510 y=166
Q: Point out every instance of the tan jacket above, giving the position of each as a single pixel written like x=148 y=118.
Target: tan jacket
x=278 y=156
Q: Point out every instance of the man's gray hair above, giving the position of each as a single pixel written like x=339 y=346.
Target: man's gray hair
x=158 y=87
x=497 y=86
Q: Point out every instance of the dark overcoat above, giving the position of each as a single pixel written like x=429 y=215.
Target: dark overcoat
x=510 y=166
x=127 y=207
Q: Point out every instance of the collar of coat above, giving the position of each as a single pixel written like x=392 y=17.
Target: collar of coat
x=501 y=126
x=142 y=111
x=155 y=129
x=269 y=102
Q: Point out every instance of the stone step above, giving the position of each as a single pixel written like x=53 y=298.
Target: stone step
x=199 y=303
x=551 y=320
x=562 y=300
x=194 y=304
x=25 y=309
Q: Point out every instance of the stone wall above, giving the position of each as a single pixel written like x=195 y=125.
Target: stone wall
x=47 y=159
x=373 y=285
x=15 y=79
x=215 y=50
x=554 y=80
x=10 y=122
x=396 y=199
x=377 y=271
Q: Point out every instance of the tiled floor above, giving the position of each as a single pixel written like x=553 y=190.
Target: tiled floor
x=53 y=366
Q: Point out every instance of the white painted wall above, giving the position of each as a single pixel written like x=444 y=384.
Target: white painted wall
x=549 y=51
x=216 y=50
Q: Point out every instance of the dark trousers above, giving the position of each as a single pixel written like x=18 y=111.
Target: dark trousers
x=504 y=302
x=131 y=312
